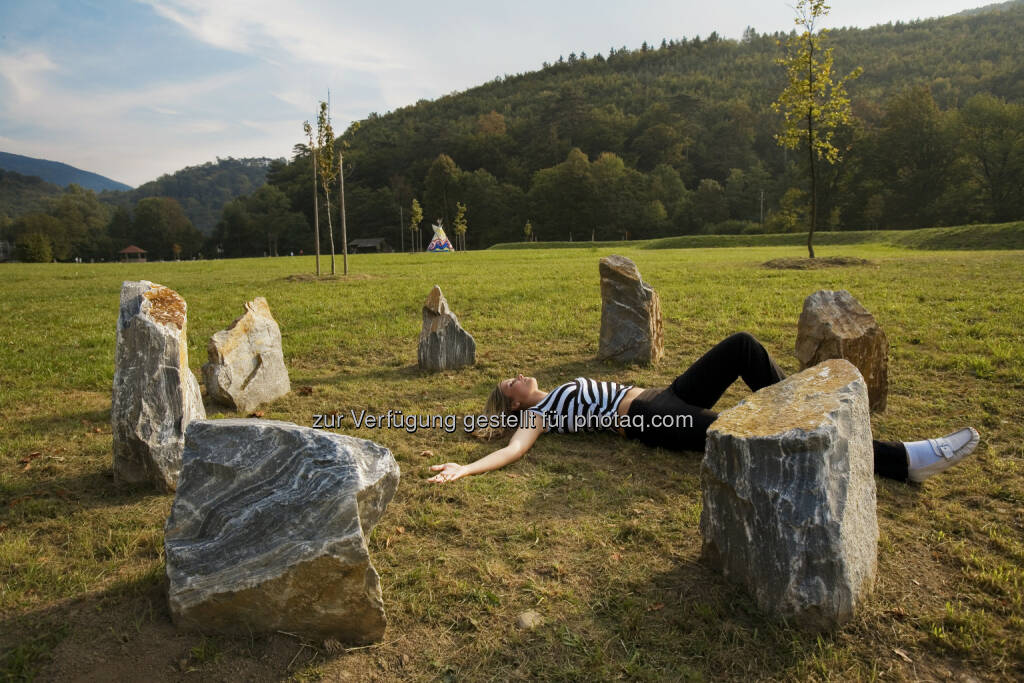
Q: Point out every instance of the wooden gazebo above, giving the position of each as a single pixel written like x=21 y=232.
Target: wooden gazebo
x=132 y=254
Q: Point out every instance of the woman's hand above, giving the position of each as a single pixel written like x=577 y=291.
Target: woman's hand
x=520 y=443
x=450 y=471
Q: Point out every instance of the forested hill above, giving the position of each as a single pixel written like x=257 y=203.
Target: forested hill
x=58 y=173
x=201 y=190
x=679 y=137
x=21 y=194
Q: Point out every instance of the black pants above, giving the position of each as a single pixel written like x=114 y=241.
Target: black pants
x=696 y=390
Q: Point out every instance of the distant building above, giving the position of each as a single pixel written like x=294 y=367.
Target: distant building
x=132 y=254
x=369 y=245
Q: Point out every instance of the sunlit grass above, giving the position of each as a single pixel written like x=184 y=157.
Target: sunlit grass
x=596 y=533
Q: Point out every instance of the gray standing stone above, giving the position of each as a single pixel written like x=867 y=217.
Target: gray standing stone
x=630 y=315
x=835 y=325
x=444 y=345
x=155 y=395
x=269 y=527
x=246 y=366
x=789 y=496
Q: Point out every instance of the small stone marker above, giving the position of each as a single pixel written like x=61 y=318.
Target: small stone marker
x=835 y=325
x=630 y=314
x=444 y=345
x=789 y=496
x=246 y=366
x=155 y=395
x=269 y=527
x=529 y=620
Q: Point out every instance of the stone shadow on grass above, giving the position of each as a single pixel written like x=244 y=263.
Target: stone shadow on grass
x=92 y=489
x=85 y=421
x=124 y=633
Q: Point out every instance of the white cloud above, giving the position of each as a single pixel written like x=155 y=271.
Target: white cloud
x=23 y=70
x=323 y=35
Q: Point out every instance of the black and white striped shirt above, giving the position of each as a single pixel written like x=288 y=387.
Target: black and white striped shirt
x=581 y=405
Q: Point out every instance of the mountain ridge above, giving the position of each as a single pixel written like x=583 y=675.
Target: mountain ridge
x=59 y=173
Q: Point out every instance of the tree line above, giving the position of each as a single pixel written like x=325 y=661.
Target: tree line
x=681 y=139
x=676 y=139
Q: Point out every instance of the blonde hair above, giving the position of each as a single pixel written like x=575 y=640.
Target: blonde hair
x=497 y=404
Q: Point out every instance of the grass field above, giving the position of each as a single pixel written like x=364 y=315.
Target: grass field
x=597 y=534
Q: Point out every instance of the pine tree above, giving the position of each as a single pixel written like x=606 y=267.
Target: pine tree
x=812 y=104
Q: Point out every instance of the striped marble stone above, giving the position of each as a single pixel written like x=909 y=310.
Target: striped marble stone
x=268 y=531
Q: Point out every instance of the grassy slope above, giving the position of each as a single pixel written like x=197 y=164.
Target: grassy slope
x=998 y=236
x=596 y=533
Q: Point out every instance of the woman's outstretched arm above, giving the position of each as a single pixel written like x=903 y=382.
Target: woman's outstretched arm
x=517 y=446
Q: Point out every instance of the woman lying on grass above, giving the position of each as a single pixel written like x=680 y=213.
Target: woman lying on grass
x=678 y=417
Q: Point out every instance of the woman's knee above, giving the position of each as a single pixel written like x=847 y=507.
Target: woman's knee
x=743 y=340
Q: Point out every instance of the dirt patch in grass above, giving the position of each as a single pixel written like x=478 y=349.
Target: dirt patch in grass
x=815 y=263
x=310 y=277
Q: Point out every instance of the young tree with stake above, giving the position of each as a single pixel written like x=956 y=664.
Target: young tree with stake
x=325 y=141
x=813 y=104
x=415 y=218
x=461 y=225
x=308 y=129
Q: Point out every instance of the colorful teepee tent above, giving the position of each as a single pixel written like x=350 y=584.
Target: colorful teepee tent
x=440 y=241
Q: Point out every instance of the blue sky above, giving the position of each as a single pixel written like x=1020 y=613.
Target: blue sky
x=135 y=89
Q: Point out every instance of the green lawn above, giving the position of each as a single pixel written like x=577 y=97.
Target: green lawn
x=597 y=534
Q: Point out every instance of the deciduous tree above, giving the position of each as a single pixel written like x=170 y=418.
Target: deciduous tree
x=461 y=225
x=415 y=218
x=326 y=166
x=813 y=103
x=308 y=130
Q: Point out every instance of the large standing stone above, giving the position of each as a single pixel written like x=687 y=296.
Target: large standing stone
x=835 y=325
x=269 y=527
x=789 y=496
x=246 y=367
x=630 y=314
x=155 y=394
x=444 y=345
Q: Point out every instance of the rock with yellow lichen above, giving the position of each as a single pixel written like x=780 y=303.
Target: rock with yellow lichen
x=246 y=362
x=789 y=496
x=269 y=528
x=443 y=344
x=155 y=395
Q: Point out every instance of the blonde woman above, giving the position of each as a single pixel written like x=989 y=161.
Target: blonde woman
x=676 y=417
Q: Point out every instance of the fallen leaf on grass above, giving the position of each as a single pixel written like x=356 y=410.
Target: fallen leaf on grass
x=615 y=557
x=256 y=413
x=304 y=391
x=656 y=606
x=426 y=454
x=400 y=529
x=29 y=458
x=903 y=655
